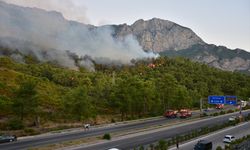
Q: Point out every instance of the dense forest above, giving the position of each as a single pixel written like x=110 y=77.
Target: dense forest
x=37 y=93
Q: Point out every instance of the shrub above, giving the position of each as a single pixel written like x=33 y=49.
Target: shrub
x=106 y=136
x=222 y=112
x=15 y=124
x=215 y=114
x=113 y=120
x=219 y=148
x=230 y=111
x=141 y=148
x=227 y=147
x=204 y=114
x=151 y=146
x=30 y=131
x=248 y=117
x=162 y=145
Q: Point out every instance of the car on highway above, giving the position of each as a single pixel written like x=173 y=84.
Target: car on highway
x=203 y=145
x=228 y=138
x=232 y=118
x=207 y=109
x=7 y=138
x=86 y=126
x=113 y=149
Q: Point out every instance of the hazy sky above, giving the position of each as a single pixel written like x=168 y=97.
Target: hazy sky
x=220 y=22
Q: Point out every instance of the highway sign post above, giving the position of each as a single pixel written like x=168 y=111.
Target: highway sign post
x=216 y=99
x=231 y=100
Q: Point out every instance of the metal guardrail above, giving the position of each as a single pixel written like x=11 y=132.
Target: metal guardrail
x=242 y=146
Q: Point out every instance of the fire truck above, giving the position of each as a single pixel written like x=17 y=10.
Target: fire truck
x=171 y=113
x=185 y=113
x=219 y=106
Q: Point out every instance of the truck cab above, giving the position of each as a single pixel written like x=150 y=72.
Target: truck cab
x=170 y=113
x=185 y=113
x=219 y=106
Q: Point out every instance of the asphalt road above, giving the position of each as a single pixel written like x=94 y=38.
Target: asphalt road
x=216 y=138
x=60 y=137
x=146 y=139
x=57 y=138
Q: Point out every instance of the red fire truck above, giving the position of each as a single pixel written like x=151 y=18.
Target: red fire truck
x=185 y=113
x=171 y=113
x=219 y=106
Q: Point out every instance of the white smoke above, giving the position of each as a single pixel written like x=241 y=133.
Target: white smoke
x=48 y=36
x=18 y=58
x=71 y=9
x=87 y=63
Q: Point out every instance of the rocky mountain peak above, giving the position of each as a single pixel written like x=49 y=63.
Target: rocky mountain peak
x=153 y=24
x=159 y=35
x=35 y=30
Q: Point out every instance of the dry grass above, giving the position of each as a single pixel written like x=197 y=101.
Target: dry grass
x=89 y=140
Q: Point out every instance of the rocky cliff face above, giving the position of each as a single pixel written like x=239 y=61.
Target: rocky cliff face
x=171 y=39
x=234 y=64
x=47 y=35
x=159 y=35
x=216 y=56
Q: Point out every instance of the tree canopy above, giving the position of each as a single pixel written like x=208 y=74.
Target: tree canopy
x=32 y=90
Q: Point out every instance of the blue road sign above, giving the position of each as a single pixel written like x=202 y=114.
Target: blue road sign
x=231 y=100
x=216 y=99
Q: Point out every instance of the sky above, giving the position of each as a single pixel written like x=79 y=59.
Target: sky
x=219 y=22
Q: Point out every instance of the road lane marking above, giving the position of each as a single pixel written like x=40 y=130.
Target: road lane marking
x=209 y=135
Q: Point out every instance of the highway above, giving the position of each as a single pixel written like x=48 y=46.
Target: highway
x=57 y=138
x=217 y=137
x=148 y=138
x=60 y=137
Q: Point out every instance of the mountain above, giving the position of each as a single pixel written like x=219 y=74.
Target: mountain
x=171 y=39
x=48 y=36
x=216 y=56
x=159 y=35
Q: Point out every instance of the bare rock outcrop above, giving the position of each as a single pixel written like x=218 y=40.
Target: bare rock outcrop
x=159 y=35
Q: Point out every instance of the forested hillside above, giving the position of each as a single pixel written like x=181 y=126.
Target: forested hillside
x=35 y=93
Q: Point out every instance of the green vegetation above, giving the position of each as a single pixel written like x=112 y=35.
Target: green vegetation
x=239 y=143
x=40 y=94
x=163 y=144
x=107 y=136
x=219 y=148
x=200 y=49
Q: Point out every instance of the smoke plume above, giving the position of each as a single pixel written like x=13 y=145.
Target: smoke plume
x=71 y=9
x=48 y=36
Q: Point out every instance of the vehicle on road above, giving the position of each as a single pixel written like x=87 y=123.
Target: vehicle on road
x=228 y=139
x=7 y=138
x=232 y=118
x=207 y=109
x=185 y=113
x=86 y=126
x=171 y=113
x=113 y=149
x=203 y=145
x=219 y=106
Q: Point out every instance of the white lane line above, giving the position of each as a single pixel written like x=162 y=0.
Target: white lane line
x=209 y=135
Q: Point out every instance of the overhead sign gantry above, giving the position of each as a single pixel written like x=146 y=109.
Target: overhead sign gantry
x=230 y=100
